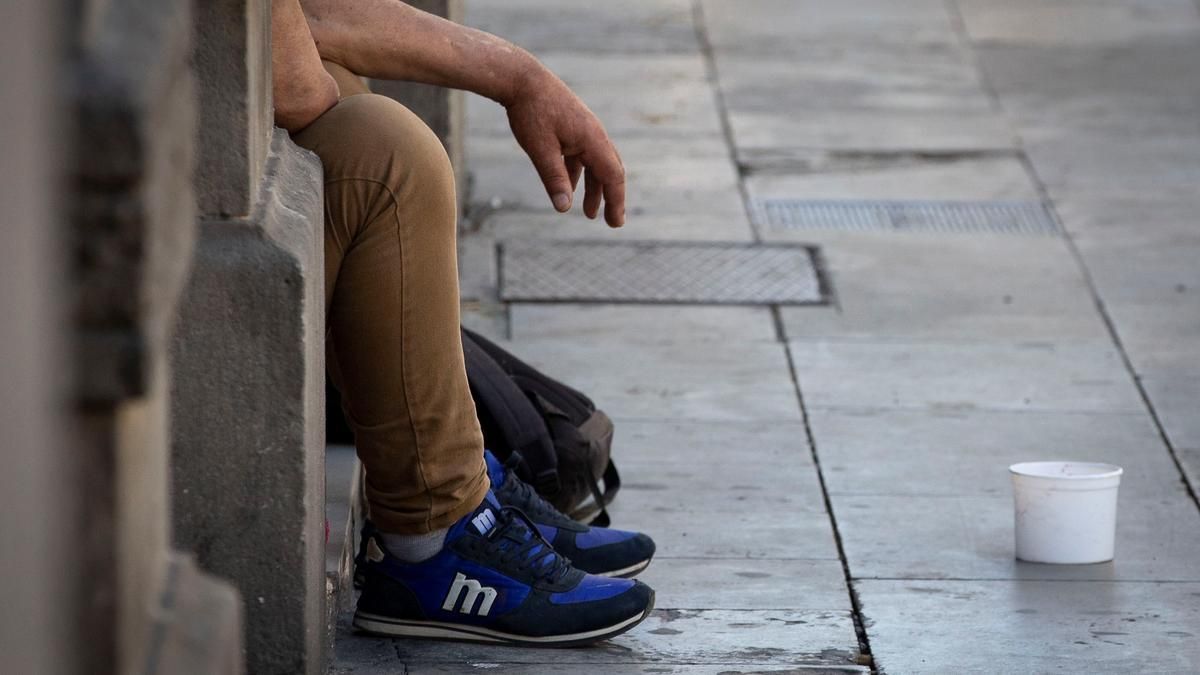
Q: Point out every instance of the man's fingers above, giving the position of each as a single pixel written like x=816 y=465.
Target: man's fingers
x=606 y=169
x=574 y=171
x=552 y=169
x=614 y=203
x=593 y=190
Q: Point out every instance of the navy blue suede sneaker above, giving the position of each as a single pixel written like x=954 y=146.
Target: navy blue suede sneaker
x=595 y=550
x=496 y=580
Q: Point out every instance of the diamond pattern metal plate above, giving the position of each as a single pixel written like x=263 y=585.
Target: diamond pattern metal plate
x=1000 y=217
x=658 y=272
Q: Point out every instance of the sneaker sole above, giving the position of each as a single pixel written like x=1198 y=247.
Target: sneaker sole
x=627 y=572
x=382 y=625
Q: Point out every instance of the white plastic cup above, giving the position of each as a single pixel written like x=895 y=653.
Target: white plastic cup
x=1066 y=512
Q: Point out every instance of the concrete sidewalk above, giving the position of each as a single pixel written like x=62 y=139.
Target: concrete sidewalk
x=828 y=485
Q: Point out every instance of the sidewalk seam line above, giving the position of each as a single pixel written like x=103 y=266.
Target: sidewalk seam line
x=860 y=629
x=700 y=26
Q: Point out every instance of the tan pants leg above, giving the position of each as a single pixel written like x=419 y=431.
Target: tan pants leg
x=391 y=293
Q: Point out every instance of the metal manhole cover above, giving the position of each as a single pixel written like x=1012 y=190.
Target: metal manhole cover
x=658 y=272
x=1008 y=217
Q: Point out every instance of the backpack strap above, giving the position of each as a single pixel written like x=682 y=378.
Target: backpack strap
x=601 y=499
x=517 y=420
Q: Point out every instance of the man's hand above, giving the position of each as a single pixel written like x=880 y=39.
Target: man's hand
x=565 y=140
x=390 y=40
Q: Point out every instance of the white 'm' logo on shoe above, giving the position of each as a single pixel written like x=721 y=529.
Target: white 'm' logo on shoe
x=472 y=591
x=484 y=522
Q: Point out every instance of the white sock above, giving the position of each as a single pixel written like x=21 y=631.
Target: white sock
x=414 y=548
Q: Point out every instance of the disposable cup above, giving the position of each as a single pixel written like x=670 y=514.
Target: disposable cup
x=1066 y=512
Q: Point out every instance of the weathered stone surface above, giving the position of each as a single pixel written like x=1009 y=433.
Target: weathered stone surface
x=890 y=452
x=249 y=430
x=1078 y=22
x=732 y=583
x=690 y=380
x=133 y=105
x=641 y=323
x=779 y=26
x=38 y=513
x=198 y=627
x=646 y=224
x=762 y=637
x=1158 y=539
x=834 y=175
x=1076 y=377
x=946 y=286
x=658 y=180
x=622 y=26
x=1017 y=627
x=700 y=442
x=662 y=95
x=233 y=66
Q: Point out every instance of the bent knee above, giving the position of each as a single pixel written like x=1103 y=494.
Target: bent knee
x=373 y=138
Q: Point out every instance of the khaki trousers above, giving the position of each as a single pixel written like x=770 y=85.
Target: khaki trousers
x=392 y=305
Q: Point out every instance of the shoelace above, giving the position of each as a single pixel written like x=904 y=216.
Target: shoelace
x=518 y=544
x=517 y=490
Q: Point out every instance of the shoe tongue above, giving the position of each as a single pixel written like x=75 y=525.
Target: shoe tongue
x=486 y=517
x=484 y=521
x=495 y=469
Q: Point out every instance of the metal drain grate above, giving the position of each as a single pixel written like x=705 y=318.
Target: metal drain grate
x=658 y=272
x=908 y=216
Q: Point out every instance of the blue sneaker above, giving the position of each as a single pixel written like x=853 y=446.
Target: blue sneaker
x=496 y=580
x=595 y=550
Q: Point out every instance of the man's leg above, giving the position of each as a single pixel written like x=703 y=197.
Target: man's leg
x=391 y=291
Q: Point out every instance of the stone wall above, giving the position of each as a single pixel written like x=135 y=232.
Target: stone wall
x=39 y=518
x=101 y=134
x=248 y=440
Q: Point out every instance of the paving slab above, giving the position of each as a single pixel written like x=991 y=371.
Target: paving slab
x=758 y=487
x=912 y=537
x=869 y=177
x=1086 y=94
x=615 y=26
x=1078 y=377
x=726 y=583
x=1032 y=627
x=702 y=637
x=640 y=225
x=642 y=323
x=1189 y=459
x=776 y=26
x=1156 y=269
x=1103 y=166
x=1173 y=385
x=692 y=380
x=956 y=286
x=662 y=95
x=774 y=133
x=945 y=453
x=714 y=528
x=700 y=442
x=1079 y=22
x=857 y=76
x=658 y=181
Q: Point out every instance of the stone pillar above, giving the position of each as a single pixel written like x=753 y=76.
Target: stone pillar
x=249 y=354
x=131 y=228
x=38 y=509
x=444 y=110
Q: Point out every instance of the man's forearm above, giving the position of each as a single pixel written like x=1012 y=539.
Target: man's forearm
x=388 y=39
